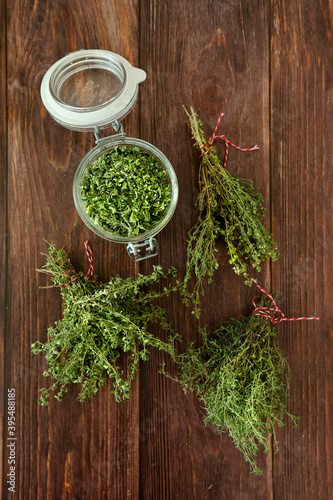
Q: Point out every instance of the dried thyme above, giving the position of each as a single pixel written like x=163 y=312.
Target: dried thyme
x=126 y=191
x=100 y=322
x=230 y=207
x=242 y=379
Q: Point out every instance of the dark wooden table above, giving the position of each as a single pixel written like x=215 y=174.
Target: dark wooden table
x=268 y=66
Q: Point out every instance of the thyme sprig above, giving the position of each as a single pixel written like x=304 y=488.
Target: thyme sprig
x=230 y=207
x=101 y=321
x=242 y=379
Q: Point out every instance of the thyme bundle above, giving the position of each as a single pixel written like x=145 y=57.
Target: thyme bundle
x=242 y=379
x=230 y=207
x=100 y=321
x=126 y=191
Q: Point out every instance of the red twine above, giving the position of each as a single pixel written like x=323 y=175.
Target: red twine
x=90 y=258
x=226 y=141
x=90 y=271
x=269 y=312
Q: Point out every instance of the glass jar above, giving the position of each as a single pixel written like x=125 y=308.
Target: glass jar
x=90 y=90
x=146 y=239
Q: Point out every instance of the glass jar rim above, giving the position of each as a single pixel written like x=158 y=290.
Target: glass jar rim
x=66 y=68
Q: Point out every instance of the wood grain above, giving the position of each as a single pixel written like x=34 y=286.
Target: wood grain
x=268 y=67
x=301 y=153
x=3 y=231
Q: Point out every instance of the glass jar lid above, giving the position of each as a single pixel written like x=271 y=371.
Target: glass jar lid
x=90 y=89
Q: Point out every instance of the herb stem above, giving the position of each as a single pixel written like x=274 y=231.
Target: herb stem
x=101 y=321
x=230 y=207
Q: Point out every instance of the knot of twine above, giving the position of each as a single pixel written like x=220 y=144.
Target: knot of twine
x=269 y=312
x=90 y=271
x=226 y=141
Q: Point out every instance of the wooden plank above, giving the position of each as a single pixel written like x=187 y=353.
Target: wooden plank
x=68 y=450
x=301 y=152
x=3 y=230
x=210 y=56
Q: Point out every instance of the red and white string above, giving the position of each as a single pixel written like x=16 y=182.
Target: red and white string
x=226 y=141
x=90 y=257
x=90 y=272
x=269 y=312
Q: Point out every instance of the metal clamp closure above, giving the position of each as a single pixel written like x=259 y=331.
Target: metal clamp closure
x=134 y=250
x=117 y=126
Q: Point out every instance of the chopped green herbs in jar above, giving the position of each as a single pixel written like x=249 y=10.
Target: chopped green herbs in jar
x=126 y=191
